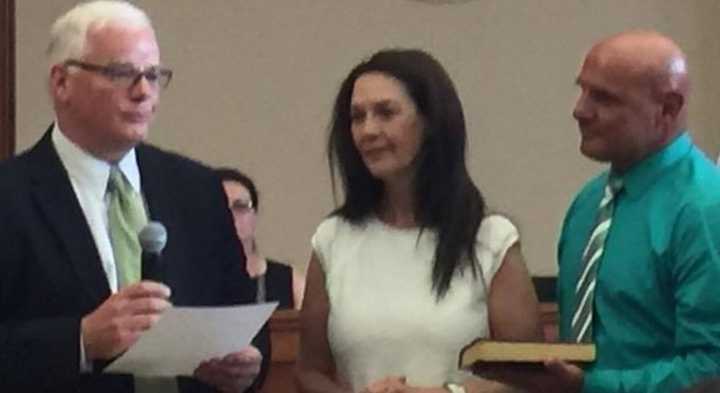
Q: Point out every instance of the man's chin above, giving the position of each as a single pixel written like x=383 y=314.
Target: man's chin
x=593 y=153
x=137 y=135
x=129 y=140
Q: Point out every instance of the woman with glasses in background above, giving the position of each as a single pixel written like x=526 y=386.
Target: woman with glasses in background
x=275 y=281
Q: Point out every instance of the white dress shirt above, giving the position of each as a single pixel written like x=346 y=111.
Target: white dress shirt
x=89 y=177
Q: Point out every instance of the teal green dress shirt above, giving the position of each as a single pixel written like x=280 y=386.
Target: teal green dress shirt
x=656 y=321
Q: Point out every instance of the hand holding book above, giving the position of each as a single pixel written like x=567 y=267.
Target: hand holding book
x=533 y=366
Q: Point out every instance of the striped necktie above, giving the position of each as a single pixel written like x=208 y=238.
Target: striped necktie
x=581 y=323
x=126 y=217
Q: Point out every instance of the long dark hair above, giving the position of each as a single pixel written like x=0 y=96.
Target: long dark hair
x=446 y=199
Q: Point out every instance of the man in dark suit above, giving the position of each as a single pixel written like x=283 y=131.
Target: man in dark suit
x=69 y=300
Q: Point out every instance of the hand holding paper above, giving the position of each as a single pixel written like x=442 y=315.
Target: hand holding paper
x=185 y=337
x=233 y=373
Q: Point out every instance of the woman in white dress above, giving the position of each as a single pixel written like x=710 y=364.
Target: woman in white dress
x=410 y=268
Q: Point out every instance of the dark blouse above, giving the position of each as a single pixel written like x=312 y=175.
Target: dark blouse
x=276 y=285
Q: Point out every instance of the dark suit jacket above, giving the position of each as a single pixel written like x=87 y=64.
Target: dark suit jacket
x=51 y=274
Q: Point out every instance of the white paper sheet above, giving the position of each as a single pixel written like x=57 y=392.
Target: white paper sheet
x=185 y=336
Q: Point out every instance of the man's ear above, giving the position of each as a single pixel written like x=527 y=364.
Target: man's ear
x=672 y=104
x=58 y=82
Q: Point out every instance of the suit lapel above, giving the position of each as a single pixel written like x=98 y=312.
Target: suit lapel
x=160 y=195
x=56 y=198
x=154 y=188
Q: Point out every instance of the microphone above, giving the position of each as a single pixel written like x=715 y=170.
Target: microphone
x=153 y=238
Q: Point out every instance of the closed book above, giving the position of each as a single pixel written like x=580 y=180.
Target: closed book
x=486 y=351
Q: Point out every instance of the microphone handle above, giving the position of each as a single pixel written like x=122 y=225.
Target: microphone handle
x=151 y=266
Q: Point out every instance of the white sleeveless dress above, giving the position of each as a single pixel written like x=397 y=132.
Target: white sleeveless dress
x=384 y=318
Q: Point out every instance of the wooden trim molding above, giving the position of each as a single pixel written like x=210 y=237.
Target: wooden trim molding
x=284 y=328
x=7 y=78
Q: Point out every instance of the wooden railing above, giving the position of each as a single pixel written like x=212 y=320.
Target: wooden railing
x=285 y=338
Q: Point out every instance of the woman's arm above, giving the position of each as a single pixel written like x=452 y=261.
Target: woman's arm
x=513 y=308
x=513 y=312
x=315 y=369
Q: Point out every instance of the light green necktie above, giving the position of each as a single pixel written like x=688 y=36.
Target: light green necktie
x=126 y=217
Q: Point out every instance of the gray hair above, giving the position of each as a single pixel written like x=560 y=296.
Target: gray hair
x=69 y=32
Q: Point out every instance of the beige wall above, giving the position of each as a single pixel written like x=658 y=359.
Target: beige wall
x=255 y=80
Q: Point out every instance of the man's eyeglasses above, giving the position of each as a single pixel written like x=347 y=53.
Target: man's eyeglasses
x=240 y=206
x=125 y=75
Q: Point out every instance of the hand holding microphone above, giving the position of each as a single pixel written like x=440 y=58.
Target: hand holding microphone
x=119 y=321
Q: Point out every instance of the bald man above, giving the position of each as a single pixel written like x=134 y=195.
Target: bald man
x=651 y=280
x=639 y=269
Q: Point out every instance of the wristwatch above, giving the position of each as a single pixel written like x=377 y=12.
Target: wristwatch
x=454 y=388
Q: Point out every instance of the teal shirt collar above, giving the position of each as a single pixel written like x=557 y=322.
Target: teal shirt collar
x=646 y=172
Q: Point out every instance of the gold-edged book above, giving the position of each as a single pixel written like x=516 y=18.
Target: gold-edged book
x=484 y=351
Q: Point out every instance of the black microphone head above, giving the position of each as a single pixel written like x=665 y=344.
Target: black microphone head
x=153 y=237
